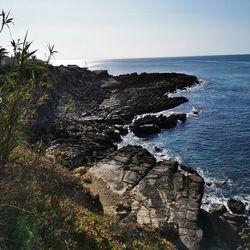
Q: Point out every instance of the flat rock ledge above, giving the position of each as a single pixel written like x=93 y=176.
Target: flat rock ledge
x=158 y=195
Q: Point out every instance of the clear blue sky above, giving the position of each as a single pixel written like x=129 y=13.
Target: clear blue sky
x=83 y=29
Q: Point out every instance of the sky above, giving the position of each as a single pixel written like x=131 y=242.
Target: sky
x=99 y=29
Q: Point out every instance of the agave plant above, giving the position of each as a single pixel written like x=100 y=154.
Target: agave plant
x=6 y=20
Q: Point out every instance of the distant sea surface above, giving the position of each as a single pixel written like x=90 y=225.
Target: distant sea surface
x=217 y=141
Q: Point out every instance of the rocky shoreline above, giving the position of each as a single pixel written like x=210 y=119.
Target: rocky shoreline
x=85 y=116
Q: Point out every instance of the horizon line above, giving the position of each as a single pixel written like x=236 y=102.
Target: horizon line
x=151 y=57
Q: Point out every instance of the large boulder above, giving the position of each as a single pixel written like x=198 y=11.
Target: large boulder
x=151 y=124
x=181 y=117
x=145 y=130
x=148 y=119
x=217 y=208
x=167 y=122
x=236 y=206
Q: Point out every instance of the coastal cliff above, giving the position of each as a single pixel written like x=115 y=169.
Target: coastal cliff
x=87 y=113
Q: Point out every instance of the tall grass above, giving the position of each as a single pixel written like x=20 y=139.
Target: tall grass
x=17 y=85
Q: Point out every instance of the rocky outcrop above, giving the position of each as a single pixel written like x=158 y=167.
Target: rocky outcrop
x=160 y=196
x=145 y=130
x=217 y=208
x=86 y=111
x=151 y=124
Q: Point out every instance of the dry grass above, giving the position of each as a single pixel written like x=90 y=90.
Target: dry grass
x=45 y=206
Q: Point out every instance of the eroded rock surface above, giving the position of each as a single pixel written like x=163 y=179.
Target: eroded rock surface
x=159 y=194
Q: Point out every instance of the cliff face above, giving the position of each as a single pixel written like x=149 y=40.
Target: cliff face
x=129 y=181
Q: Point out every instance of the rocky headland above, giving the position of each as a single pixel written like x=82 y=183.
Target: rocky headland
x=88 y=112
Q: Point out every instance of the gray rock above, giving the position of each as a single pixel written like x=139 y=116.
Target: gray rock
x=160 y=196
x=217 y=208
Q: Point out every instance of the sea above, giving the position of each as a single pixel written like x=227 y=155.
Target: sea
x=216 y=141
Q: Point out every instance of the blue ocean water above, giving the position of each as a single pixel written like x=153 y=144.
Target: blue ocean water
x=217 y=141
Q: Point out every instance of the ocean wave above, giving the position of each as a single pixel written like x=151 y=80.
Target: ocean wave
x=198 y=87
x=156 y=149
x=195 y=111
x=217 y=191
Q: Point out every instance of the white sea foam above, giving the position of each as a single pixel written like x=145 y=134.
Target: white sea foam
x=169 y=112
x=215 y=192
x=179 y=92
x=162 y=154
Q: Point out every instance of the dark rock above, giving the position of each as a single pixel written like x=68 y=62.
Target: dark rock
x=217 y=208
x=78 y=133
x=218 y=233
x=101 y=74
x=114 y=134
x=152 y=124
x=145 y=130
x=188 y=169
x=158 y=149
x=123 y=209
x=209 y=184
x=148 y=119
x=181 y=117
x=195 y=111
x=246 y=230
x=240 y=220
x=123 y=130
x=145 y=126
x=236 y=206
x=167 y=122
